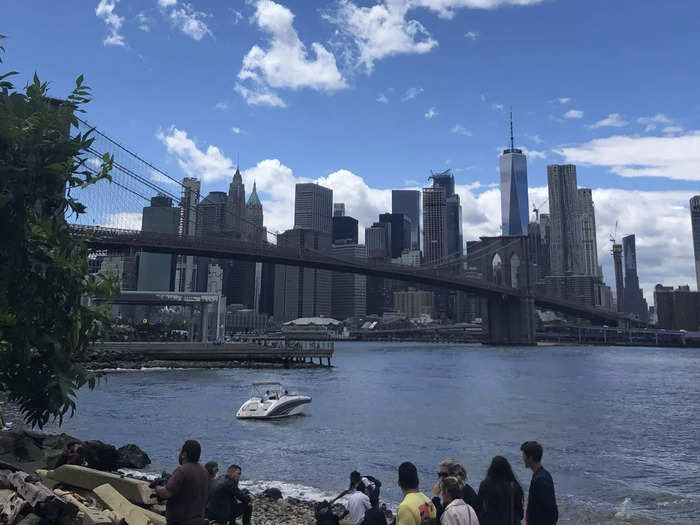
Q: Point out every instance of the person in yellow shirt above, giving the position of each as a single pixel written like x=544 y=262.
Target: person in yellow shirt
x=416 y=508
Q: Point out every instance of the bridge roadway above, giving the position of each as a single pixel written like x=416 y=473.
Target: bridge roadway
x=102 y=238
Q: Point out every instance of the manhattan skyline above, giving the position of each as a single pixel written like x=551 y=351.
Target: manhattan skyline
x=170 y=92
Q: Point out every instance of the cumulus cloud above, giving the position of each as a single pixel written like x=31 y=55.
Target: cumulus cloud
x=674 y=157
x=673 y=130
x=498 y=107
x=573 y=113
x=536 y=139
x=412 y=93
x=431 y=113
x=447 y=8
x=612 y=120
x=209 y=165
x=236 y=130
x=157 y=176
x=375 y=32
x=564 y=100
x=122 y=220
x=223 y=106
x=144 y=22
x=472 y=35
x=106 y=11
x=651 y=123
x=382 y=99
x=286 y=62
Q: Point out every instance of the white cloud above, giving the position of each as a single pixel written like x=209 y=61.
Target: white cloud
x=144 y=22
x=673 y=157
x=286 y=62
x=651 y=122
x=189 y=21
x=536 y=139
x=94 y=163
x=573 y=113
x=261 y=96
x=382 y=98
x=209 y=165
x=613 y=120
x=432 y=112
x=105 y=11
x=157 y=176
x=564 y=100
x=379 y=31
x=472 y=35
x=533 y=154
x=223 y=106
x=458 y=129
x=236 y=130
x=122 y=220
x=672 y=130
x=237 y=16
x=498 y=107
x=447 y=8
x=166 y=3
x=412 y=93
x=483 y=97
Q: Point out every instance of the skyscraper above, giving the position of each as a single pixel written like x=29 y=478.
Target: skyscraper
x=302 y=292
x=345 y=230
x=253 y=224
x=434 y=224
x=408 y=203
x=313 y=207
x=400 y=232
x=211 y=222
x=453 y=213
x=633 y=300
x=157 y=270
x=566 y=246
x=512 y=165
x=349 y=297
x=588 y=232
x=695 y=222
x=235 y=207
x=338 y=209
x=188 y=227
x=619 y=286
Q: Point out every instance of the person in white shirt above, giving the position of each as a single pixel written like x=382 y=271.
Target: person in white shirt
x=456 y=512
x=358 y=504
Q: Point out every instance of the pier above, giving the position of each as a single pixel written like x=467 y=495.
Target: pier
x=262 y=351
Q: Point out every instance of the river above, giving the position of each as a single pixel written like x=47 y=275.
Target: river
x=619 y=426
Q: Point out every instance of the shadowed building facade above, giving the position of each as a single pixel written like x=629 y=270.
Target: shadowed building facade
x=407 y=202
x=695 y=224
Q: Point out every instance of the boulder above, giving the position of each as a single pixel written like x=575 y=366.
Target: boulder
x=131 y=456
x=101 y=456
x=12 y=507
x=272 y=494
x=42 y=500
x=25 y=450
x=33 y=519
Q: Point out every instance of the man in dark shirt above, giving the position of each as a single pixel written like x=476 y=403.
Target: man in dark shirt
x=541 y=501
x=228 y=501
x=451 y=467
x=186 y=490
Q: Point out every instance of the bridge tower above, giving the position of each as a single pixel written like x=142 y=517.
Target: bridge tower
x=506 y=320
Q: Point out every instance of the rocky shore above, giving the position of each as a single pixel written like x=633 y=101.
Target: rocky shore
x=36 y=487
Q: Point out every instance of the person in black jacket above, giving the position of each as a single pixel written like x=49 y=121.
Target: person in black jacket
x=541 y=500
x=228 y=501
x=451 y=467
x=500 y=495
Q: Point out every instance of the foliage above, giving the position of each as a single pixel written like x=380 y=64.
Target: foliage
x=46 y=325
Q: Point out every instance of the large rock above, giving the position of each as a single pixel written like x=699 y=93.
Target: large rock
x=131 y=456
x=101 y=456
x=272 y=494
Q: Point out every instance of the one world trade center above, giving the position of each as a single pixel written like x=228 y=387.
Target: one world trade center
x=514 y=205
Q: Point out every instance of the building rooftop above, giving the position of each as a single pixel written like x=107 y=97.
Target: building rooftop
x=308 y=321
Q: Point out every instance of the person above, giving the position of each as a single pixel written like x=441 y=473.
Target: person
x=212 y=468
x=187 y=489
x=500 y=495
x=76 y=455
x=541 y=500
x=358 y=504
x=376 y=515
x=456 y=512
x=415 y=506
x=228 y=501
x=451 y=467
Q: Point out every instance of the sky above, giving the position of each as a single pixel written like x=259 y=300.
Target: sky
x=369 y=96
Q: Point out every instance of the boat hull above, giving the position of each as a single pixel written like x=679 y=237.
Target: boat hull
x=285 y=407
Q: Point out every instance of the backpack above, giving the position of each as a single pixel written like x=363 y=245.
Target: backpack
x=372 y=488
x=324 y=515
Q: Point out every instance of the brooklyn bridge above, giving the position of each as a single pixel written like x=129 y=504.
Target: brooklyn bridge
x=508 y=295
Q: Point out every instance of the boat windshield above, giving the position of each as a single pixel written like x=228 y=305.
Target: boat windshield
x=269 y=390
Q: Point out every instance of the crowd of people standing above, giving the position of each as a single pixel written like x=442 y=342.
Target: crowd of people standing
x=194 y=494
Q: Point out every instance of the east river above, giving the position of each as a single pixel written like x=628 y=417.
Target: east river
x=619 y=426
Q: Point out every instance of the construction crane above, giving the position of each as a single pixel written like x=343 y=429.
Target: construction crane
x=536 y=209
x=613 y=235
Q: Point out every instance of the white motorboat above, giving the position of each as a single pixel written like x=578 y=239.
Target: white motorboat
x=271 y=401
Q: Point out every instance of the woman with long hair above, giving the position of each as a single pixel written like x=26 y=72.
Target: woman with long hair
x=500 y=495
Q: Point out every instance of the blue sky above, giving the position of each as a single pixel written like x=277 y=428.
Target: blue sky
x=369 y=96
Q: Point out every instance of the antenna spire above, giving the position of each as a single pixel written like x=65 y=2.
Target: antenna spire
x=512 y=146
